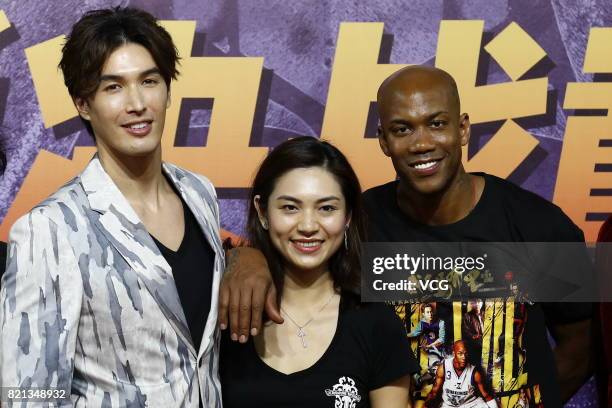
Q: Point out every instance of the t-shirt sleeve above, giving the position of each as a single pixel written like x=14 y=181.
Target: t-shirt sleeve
x=392 y=357
x=564 y=230
x=566 y=313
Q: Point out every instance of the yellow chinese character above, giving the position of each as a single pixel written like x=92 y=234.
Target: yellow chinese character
x=584 y=179
x=516 y=52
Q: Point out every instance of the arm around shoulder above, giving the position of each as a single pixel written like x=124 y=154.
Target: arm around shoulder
x=246 y=290
x=40 y=304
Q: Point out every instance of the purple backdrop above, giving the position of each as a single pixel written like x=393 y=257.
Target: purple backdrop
x=297 y=40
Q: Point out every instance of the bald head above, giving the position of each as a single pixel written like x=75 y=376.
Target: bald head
x=458 y=345
x=422 y=130
x=414 y=79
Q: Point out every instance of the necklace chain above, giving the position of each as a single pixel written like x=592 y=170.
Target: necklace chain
x=300 y=332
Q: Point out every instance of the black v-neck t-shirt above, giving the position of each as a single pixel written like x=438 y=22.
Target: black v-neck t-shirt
x=192 y=268
x=369 y=350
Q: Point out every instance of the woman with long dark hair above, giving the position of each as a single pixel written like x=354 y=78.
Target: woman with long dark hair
x=305 y=216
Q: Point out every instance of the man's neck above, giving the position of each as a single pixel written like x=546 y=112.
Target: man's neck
x=449 y=206
x=139 y=179
x=458 y=370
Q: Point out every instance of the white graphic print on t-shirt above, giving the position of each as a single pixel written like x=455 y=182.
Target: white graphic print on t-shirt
x=347 y=395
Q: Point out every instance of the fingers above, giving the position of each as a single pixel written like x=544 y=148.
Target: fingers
x=246 y=288
x=234 y=310
x=224 y=296
x=272 y=309
x=244 y=315
x=235 y=305
x=257 y=302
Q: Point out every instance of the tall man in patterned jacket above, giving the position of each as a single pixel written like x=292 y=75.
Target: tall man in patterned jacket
x=110 y=293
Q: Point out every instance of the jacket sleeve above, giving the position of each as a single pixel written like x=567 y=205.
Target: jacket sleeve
x=40 y=304
x=417 y=330
x=211 y=199
x=442 y=332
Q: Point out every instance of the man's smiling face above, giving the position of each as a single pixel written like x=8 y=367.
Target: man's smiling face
x=422 y=131
x=128 y=109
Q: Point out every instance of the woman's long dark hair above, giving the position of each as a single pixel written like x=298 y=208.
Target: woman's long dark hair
x=306 y=152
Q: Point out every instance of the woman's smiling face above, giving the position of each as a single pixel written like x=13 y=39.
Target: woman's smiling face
x=306 y=218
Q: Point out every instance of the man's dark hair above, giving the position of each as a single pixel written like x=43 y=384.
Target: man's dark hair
x=432 y=306
x=307 y=152
x=100 y=32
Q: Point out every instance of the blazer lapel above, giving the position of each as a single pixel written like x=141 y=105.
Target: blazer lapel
x=201 y=203
x=126 y=233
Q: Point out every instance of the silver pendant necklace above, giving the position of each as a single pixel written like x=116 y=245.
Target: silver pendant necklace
x=300 y=328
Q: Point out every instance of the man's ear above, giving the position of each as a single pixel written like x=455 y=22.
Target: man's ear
x=464 y=129
x=260 y=212
x=169 y=100
x=82 y=107
x=382 y=141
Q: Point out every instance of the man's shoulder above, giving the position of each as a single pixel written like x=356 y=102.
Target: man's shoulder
x=380 y=209
x=527 y=207
x=70 y=196
x=378 y=197
x=195 y=180
x=509 y=190
x=384 y=191
x=64 y=208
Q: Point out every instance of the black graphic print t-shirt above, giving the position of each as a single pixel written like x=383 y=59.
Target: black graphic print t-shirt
x=369 y=350
x=505 y=340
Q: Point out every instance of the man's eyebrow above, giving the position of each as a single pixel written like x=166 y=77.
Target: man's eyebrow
x=150 y=71
x=402 y=121
x=433 y=115
x=112 y=77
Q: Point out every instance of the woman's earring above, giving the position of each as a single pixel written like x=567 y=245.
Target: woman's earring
x=345 y=238
x=264 y=224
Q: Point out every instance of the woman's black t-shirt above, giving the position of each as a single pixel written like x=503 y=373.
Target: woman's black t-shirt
x=369 y=350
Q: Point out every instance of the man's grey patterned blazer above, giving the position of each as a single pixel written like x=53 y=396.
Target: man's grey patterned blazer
x=88 y=303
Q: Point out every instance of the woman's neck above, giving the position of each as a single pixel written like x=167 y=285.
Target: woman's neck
x=301 y=290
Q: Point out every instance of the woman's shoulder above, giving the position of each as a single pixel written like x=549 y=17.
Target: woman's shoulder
x=381 y=336
x=372 y=315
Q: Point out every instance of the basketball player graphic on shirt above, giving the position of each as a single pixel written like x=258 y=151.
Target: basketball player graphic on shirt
x=459 y=384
